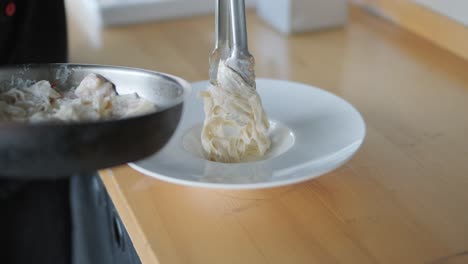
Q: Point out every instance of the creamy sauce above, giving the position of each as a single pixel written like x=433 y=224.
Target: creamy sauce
x=95 y=98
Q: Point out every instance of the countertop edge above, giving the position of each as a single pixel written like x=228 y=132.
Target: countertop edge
x=138 y=237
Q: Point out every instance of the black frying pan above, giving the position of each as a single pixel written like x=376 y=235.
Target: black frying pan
x=51 y=150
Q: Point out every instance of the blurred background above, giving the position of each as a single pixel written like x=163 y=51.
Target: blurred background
x=137 y=32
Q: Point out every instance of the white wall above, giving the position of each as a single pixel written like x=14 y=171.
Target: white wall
x=455 y=9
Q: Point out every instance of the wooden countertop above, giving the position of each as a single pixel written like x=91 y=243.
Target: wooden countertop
x=402 y=199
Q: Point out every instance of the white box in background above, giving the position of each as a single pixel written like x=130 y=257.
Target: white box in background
x=123 y=12
x=294 y=16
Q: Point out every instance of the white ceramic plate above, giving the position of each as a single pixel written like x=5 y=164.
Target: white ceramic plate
x=313 y=132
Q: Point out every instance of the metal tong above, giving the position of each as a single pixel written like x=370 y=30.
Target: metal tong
x=231 y=41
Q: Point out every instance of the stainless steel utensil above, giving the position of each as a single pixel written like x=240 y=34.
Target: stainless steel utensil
x=222 y=38
x=231 y=41
x=51 y=150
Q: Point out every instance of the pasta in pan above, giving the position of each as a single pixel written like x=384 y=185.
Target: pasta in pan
x=95 y=98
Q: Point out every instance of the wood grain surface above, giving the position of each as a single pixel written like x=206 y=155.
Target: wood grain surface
x=402 y=199
x=425 y=22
